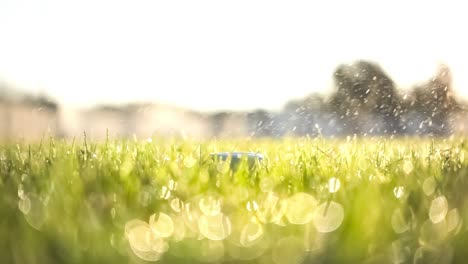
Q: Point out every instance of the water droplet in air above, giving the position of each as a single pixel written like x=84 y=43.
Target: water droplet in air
x=438 y=209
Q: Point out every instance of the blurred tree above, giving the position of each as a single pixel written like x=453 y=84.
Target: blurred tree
x=217 y=121
x=365 y=94
x=435 y=102
x=260 y=123
x=302 y=115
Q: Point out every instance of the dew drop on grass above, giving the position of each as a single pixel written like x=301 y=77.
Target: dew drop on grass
x=216 y=227
x=408 y=166
x=399 y=223
x=143 y=242
x=252 y=206
x=159 y=245
x=21 y=194
x=210 y=205
x=189 y=161
x=433 y=233
x=438 y=209
x=399 y=191
x=251 y=234
x=429 y=186
x=24 y=204
x=112 y=240
x=34 y=210
x=334 y=185
x=453 y=220
x=139 y=237
x=328 y=217
x=161 y=224
x=130 y=225
x=270 y=209
x=176 y=205
x=300 y=208
x=172 y=185
x=24 y=177
x=289 y=250
x=165 y=193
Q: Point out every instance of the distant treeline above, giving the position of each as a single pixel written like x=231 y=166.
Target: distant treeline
x=366 y=101
x=9 y=94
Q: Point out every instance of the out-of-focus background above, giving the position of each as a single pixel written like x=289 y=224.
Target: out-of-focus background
x=219 y=69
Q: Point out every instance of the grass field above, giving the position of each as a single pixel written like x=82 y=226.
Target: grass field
x=310 y=200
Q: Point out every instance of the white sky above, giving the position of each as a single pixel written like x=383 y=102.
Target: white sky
x=221 y=54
